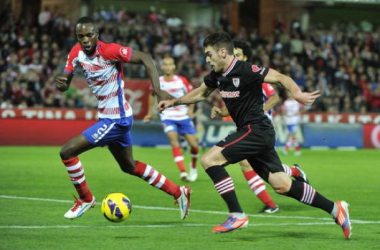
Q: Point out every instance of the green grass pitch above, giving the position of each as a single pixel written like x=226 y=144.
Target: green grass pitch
x=35 y=192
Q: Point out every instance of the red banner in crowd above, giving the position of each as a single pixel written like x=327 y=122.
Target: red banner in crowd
x=371 y=136
x=38 y=132
x=341 y=118
x=138 y=94
x=351 y=118
x=48 y=114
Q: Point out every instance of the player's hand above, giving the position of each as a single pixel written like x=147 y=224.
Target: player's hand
x=215 y=111
x=60 y=83
x=307 y=98
x=162 y=105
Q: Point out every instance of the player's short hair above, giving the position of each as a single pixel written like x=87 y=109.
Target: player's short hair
x=170 y=57
x=86 y=19
x=247 y=51
x=219 y=40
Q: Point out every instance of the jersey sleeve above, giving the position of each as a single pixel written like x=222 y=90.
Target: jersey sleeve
x=186 y=84
x=114 y=51
x=268 y=90
x=257 y=73
x=71 y=62
x=210 y=80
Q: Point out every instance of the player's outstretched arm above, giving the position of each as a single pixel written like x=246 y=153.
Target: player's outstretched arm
x=62 y=82
x=146 y=59
x=305 y=98
x=197 y=95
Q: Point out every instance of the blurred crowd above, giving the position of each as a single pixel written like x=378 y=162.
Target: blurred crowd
x=341 y=61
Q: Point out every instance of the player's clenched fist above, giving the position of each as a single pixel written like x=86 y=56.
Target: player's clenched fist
x=215 y=111
x=60 y=83
x=162 y=105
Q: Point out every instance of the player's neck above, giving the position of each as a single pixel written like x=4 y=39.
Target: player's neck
x=228 y=61
x=168 y=77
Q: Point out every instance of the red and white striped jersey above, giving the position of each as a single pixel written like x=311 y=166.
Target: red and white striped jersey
x=268 y=91
x=177 y=87
x=292 y=109
x=104 y=74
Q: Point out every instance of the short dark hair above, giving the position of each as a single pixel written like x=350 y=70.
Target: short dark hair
x=85 y=19
x=219 y=40
x=247 y=51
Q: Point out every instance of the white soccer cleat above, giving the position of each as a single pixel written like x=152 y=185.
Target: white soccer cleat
x=343 y=218
x=183 y=201
x=183 y=176
x=79 y=208
x=193 y=174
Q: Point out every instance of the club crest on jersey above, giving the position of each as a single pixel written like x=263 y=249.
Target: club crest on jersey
x=124 y=51
x=236 y=82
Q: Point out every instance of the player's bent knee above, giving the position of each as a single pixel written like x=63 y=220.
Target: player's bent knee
x=281 y=191
x=207 y=161
x=281 y=188
x=128 y=168
x=245 y=167
x=65 y=153
x=204 y=162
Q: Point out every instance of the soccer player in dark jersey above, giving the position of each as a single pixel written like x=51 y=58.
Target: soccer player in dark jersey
x=239 y=84
x=102 y=66
x=243 y=52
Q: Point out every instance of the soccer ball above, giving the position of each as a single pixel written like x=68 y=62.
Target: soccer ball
x=116 y=207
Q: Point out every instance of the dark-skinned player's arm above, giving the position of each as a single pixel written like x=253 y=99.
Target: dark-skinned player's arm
x=146 y=59
x=197 y=95
x=271 y=102
x=149 y=115
x=62 y=82
x=305 y=98
x=190 y=111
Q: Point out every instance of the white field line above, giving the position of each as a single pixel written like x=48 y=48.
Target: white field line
x=205 y=212
x=161 y=226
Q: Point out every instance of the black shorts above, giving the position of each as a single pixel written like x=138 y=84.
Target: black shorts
x=256 y=144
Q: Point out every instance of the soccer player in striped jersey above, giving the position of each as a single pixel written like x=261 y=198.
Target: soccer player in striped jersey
x=177 y=120
x=243 y=52
x=291 y=112
x=102 y=66
x=240 y=85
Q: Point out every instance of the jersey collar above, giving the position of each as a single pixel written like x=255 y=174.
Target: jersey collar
x=230 y=67
x=96 y=53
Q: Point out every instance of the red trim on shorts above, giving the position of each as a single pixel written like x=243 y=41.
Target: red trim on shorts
x=239 y=139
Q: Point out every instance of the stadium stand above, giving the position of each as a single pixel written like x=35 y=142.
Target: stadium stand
x=342 y=61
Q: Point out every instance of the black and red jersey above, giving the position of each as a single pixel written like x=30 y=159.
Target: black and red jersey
x=241 y=89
